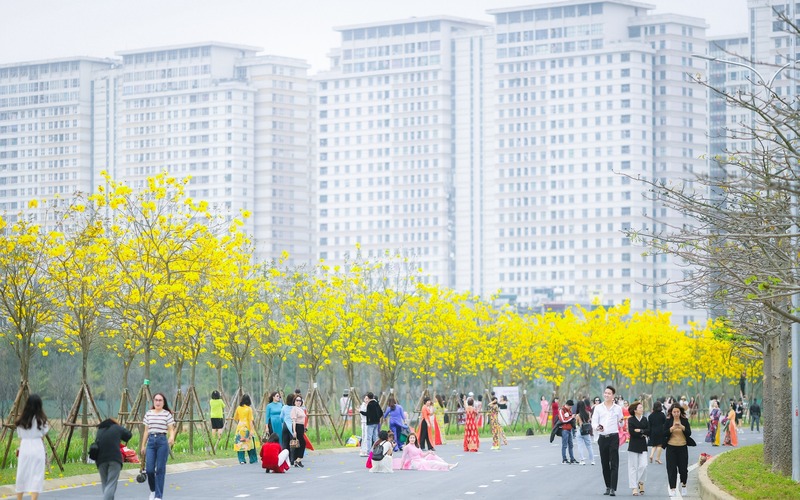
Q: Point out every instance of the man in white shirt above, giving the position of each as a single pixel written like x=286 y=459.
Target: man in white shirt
x=606 y=419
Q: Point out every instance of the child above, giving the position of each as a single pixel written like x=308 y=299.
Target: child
x=273 y=459
x=217 y=414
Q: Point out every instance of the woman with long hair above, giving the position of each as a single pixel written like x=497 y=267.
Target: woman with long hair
x=637 y=448
x=471 y=439
x=494 y=424
x=298 y=416
x=678 y=436
x=545 y=411
x=656 y=421
x=729 y=427
x=31 y=428
x=583 y=417
x=712 y=436
x=159 y=432
x=415 y=459
x=272 y=415
x=244 y=440
x=426 y=428
x=395 y=415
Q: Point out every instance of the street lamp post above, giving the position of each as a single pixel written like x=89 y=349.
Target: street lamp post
x=795 y=334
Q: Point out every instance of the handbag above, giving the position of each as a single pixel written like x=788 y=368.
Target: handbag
x=94 y=451
x=294 y=443
x=586 y=428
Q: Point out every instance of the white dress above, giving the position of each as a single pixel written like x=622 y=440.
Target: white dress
x=384 y=465
x=30 y=466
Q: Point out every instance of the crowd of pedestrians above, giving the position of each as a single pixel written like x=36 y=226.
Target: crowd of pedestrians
x=611 y=423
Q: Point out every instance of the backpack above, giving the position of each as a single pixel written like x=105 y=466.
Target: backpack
x=377 y=451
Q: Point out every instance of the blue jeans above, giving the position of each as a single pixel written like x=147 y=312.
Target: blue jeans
x=156 y=462
x=755 y=421
x=396 y=428
x=586 y=439
x=566 y=442
x=372 y=434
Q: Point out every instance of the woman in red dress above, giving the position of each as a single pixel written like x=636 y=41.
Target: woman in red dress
x=471 y=439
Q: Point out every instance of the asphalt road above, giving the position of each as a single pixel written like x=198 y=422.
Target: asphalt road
x=528 y=468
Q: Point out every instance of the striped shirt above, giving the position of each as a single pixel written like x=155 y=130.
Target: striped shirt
x=157 y=423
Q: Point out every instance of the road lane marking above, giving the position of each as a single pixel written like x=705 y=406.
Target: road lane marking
x=512 y=475
x=323 y=477
x=469 y=493
x=483 y=486
x=272 y=487
x=298 y=482
x=497 y=480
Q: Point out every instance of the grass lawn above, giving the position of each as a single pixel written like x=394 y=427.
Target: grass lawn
x=742 y=473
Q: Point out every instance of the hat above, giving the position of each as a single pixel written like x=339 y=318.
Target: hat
x=471 y=394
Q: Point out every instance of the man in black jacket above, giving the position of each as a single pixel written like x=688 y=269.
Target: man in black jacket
x=373 y=414
x=755 y=416
x=109 y=458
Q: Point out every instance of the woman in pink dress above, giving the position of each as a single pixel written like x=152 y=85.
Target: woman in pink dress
x=415 y=459
x=471 y=439
x=545 y=411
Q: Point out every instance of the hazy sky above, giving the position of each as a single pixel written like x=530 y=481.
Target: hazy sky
x=47 y=29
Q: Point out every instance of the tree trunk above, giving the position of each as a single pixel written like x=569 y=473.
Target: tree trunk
x=767 y=403
x=147 y=362
x=782 y=397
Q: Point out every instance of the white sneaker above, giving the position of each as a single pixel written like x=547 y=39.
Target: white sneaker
x=583 y=462
x=683 y=491
x=152 y=495
x=592 y=462
x=672 y=493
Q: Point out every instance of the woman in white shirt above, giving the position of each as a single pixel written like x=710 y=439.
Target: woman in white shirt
x=384 y=465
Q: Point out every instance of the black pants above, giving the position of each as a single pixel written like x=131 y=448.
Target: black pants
x=425 y=435
x=677 y=463
x=298 y=452
x=286 y=435
x=609 y=459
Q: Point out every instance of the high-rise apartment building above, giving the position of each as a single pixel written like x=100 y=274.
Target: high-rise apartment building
x=46 y=131
x=385 y=165
x=576 y=102
x=234 y=122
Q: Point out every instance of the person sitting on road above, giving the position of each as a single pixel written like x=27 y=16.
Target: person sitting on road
x=273 y=458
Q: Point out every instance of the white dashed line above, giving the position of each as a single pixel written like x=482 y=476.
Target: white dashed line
x=272 y=488
x=524 y=470
x=348 y=472
x=323 y=477
x=497 y=480
x=512 y=475
x=469 y=492
x=298 y=482
x=245 y=495
x=483 y=486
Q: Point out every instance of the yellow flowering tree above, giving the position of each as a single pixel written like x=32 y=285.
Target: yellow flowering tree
x=242 y=312
x=152 y=234
x=83 y=278
x=26 y=297
x=310 y=324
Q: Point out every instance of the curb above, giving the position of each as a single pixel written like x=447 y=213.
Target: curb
x=708 y=490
